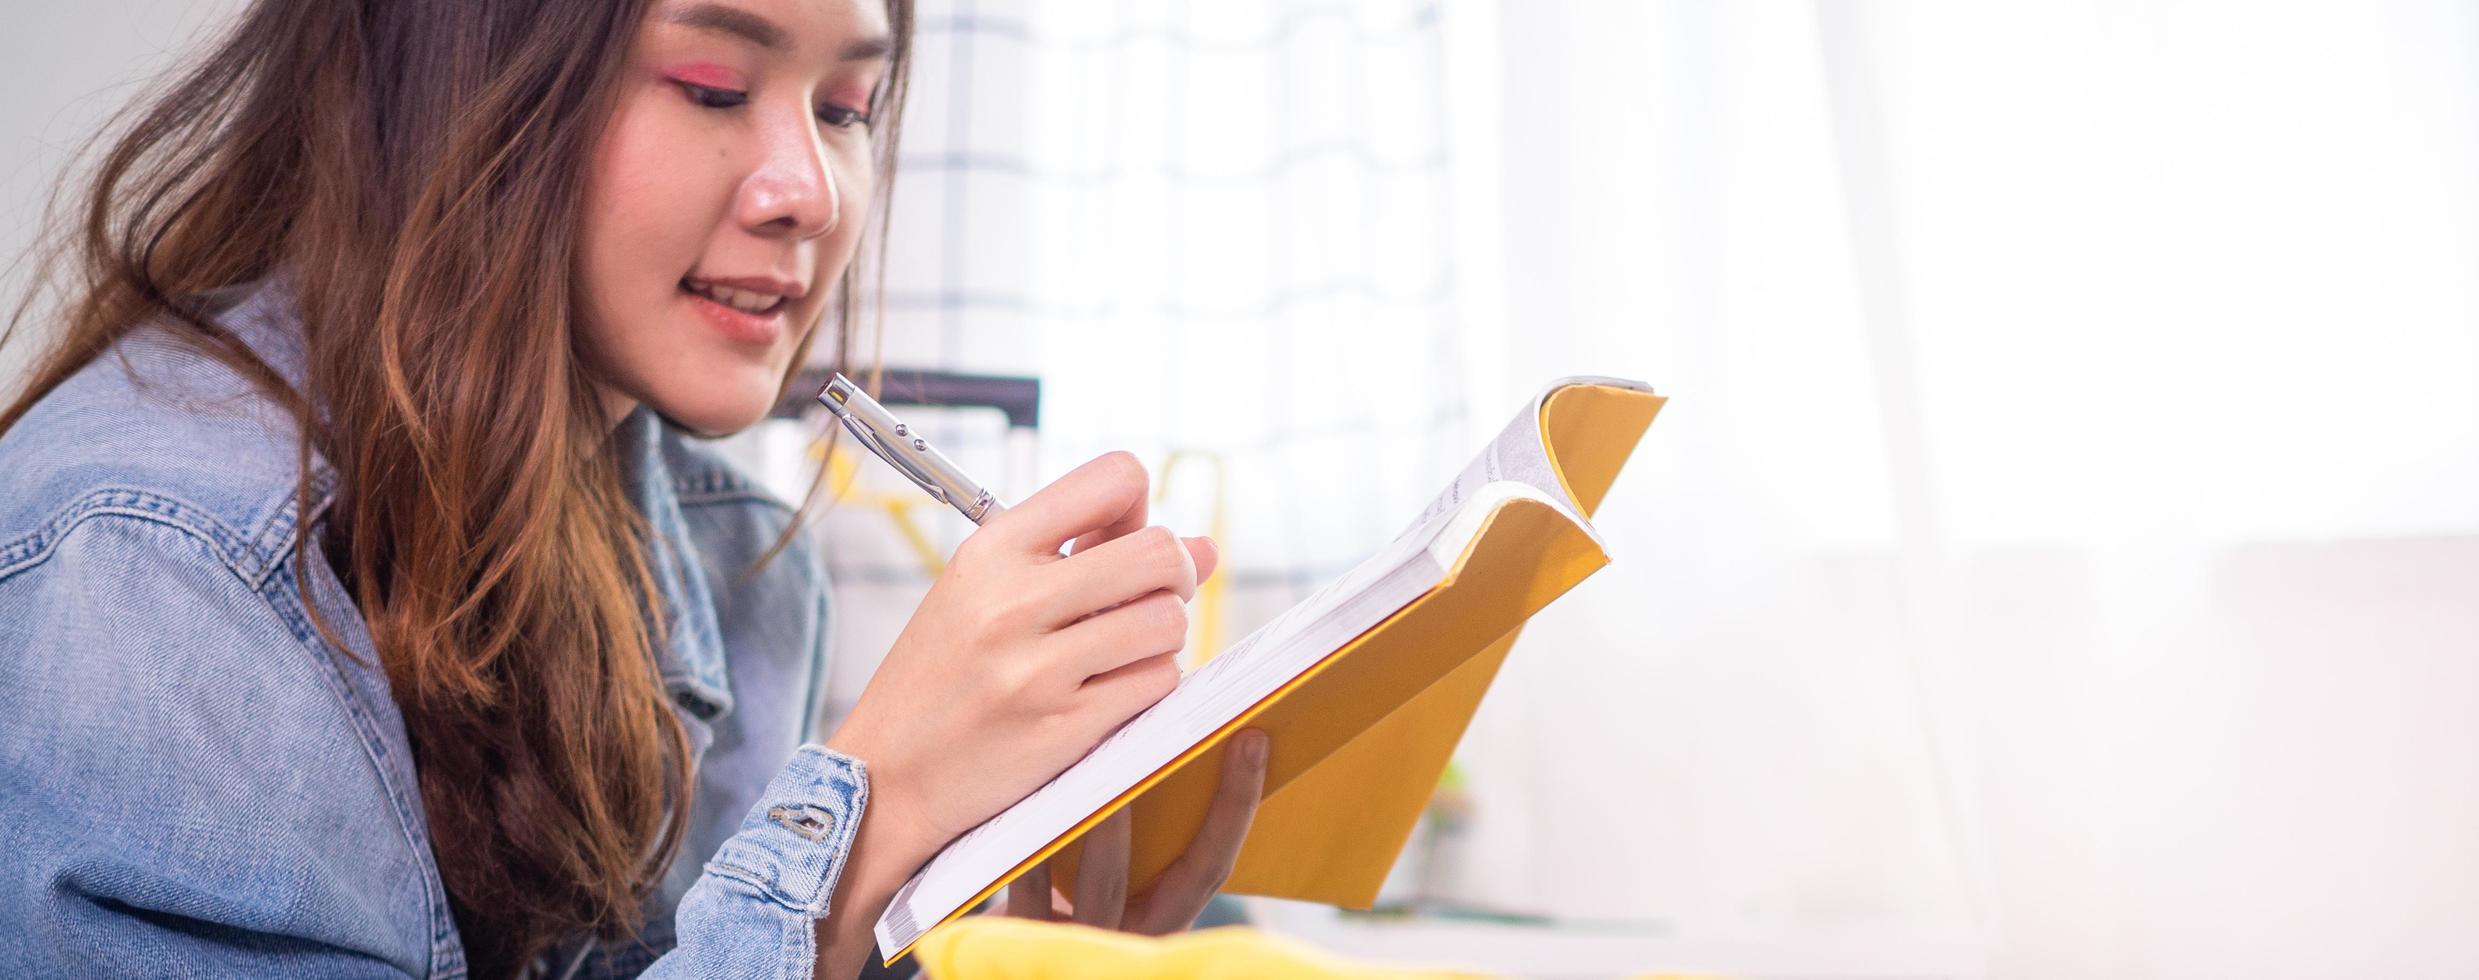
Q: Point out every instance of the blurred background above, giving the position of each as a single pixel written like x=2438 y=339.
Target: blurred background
x=2059 y=558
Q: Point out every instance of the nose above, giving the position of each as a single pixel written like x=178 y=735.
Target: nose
x=793 y=191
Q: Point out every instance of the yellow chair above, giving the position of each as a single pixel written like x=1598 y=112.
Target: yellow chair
x=1209 y=596
x=990 y=947
x=842 y=471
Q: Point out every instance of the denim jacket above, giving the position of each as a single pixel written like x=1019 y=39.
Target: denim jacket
x=193 y=783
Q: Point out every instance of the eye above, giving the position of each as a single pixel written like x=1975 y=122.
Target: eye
x=714 y=98
x=842 y=118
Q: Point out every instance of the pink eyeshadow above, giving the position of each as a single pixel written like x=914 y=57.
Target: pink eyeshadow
x=705 y=74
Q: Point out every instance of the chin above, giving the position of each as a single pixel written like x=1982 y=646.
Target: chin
x=717 y=413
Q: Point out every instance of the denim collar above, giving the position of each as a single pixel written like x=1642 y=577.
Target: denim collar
x=692 y=652
x=265 y=319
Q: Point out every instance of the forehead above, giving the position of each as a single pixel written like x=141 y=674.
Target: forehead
x=831 y=28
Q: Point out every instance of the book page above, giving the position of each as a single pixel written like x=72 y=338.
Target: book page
x=1518 y=455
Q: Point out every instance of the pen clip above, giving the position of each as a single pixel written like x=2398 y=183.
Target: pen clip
x=902 y=464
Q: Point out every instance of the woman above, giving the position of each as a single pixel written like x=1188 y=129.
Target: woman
x=365 y=608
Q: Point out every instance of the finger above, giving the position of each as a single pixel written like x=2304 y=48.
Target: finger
x=1028 y=897
x=1127 y=522
x=1179 y=896
x=1149 y=625
x=1109 y=700
x=1205 y=555
x=1149 y=559
x=1106 y=493
x=1102 y=873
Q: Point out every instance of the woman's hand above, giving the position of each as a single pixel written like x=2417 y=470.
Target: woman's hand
x=1020 y=659
x=1180 y=894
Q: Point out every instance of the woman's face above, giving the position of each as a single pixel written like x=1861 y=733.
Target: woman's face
x=725 y=199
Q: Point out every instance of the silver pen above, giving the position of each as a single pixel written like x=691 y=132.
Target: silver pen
x=905 y=450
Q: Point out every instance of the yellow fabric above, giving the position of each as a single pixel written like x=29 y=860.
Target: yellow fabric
x=1360 y=739
x=987 y=947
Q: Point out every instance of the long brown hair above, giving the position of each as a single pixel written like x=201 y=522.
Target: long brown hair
x=419 y=167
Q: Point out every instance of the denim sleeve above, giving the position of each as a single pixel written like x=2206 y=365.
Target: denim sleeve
x=187 y=787
x=755 y=911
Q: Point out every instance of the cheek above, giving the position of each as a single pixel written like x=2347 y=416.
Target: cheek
x=648 y=211
x=646 y=201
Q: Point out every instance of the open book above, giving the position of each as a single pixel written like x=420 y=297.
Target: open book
x=1364 y=686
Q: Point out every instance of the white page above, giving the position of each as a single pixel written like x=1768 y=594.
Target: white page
x=1518 y=455
x=1514 y=464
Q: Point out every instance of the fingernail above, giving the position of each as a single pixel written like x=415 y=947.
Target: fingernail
x=1253 y=748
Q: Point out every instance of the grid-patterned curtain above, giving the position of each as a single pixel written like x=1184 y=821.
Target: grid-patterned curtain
x=1213 y=227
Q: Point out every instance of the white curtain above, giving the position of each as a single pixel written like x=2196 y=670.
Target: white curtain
x=2062 y=539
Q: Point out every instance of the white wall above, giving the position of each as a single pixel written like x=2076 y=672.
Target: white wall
x=68 y=67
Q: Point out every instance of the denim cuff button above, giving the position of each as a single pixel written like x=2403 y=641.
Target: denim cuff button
x=805 y=820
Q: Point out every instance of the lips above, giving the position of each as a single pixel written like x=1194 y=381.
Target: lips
x=758 y=302
x=747 y=312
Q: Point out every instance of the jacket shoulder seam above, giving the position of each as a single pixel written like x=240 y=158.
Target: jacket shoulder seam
x=230 y=547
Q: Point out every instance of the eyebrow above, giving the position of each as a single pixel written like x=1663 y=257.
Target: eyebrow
x=757 y=30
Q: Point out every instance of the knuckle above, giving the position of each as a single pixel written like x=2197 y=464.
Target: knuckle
x=1162 y=678
x=972 y=550
x=1030 y=612
x=1013 y=614
x=1175 y=624
x=1162 y=548
x=1017 y=681
x=1164 y=615
x=1066 y=723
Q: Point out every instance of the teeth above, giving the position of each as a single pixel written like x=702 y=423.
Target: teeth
x=738 y=299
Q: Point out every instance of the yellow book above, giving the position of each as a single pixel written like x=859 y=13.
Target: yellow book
x=1365 y=687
